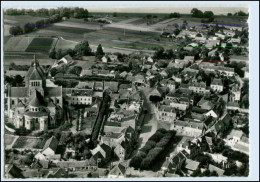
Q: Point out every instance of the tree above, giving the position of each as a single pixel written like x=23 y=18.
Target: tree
x=99 y=52
x=18 y=79
x=59 y=54
x=15 y=30
x=208 y=14
x=29 y=27
x=114 y=14
x=229 y=14
x=52 y=54
x=196 y=173
x=82 y=49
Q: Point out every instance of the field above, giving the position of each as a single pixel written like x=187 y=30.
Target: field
x=65 y=44
x=127 y=34
x=21 y=20
x=42 y=45
x=18 y=44
x=26 y=142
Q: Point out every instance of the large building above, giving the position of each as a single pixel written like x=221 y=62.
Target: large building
x=35 y=106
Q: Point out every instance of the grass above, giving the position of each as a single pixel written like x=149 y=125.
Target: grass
x=26 y=142
x=42 y=45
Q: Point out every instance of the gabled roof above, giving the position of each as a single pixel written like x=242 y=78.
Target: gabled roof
x=13 y=171
x=218 y=170
x=18 y=92
x=51 y=143
x=191 y=165
x=118 y=170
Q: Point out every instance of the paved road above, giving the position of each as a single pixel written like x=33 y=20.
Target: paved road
x=151 y=123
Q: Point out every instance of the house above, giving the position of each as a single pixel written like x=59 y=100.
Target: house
x=85 y=85
x=118 y=171
x=102 y=153
x=149 y=59
x=81 y=96
x=205 y=104
x=219 y=171
x=113 y=86
x=177 y=78
x=86 y=72
x=233 y=106
x=171 y=165
x=84 y=165
x=170 y=84
x=125 y=147
x=222 y=124
x=234 y=136
x=12 y=171
x=188 y=128
x=50 y=146
x=139 y=79
x=235 y=93
x=164 y=74
x=191 y=165
x=57 y=173
x=198 y=87
x=40 y=156
x=166 y=113
x=216 y=85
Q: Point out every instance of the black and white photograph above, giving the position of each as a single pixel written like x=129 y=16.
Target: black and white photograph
x=127 y=91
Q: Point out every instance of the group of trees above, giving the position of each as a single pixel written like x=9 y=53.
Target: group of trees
x=161 y=53
x=15 y=81
x=66 y=83
x=29 y=27
x=80 y=50
x=156 y=144
x=206 y=173
x=174 y=15
x=239 y=13
x=196 y=13
x=75 y=12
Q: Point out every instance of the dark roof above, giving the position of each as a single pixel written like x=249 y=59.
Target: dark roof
x=53 y=91
x=18 y=92
x=217 y=82
x=14 y=171
x=37 y=100
x=51 y=143
x=82 y=92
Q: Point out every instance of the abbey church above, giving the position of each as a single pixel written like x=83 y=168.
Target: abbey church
x=35 y=106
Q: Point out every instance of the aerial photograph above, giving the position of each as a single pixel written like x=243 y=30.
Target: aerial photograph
x=125 y=92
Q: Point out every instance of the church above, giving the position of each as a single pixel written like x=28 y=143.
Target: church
x=35 y=106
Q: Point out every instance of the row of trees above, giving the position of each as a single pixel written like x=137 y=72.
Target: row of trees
x=29 y=27
x=196 y=13
x=156 y=144
x=100 y=119
x=75 y=12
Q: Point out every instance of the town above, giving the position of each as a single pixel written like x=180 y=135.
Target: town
x=114 y=95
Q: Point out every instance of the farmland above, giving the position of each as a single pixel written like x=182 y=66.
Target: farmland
x=26 y=142
x=18 y=43
x=127 y=34
x=42 y=45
